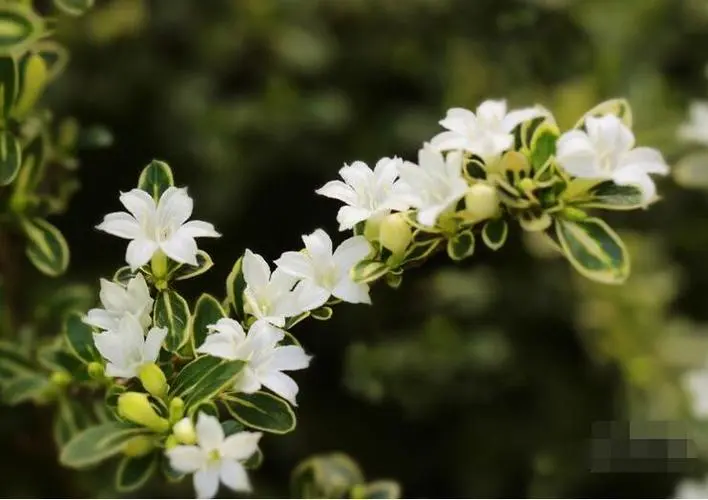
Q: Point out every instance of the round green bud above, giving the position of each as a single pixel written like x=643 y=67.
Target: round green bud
x=96 y=370
x=176 y=409
x=481 y=202
x=60 y=379
x=395 y=233
x=575 y=214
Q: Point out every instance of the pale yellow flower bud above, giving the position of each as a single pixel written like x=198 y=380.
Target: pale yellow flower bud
x=395 y=233
x=184 y=431
x=153 y=380
x=481 y=202
x=176 y=409
x=96 y=370
x=135 y=407
x=139 y=446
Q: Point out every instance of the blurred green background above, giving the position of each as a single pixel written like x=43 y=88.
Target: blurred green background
x=485 y=379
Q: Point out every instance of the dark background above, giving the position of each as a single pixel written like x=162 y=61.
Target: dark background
x=484 y=379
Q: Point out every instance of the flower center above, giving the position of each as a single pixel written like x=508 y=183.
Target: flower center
x=214 y=456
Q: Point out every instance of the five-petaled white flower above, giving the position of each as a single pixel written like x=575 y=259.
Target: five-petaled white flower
x=118 y=300
x=271 y=297
x=215 y=458
x=434 y=185
x=157 y=226
x=365 y=192
x=696 y=128
x=126 y=348
x=265 y=359
x=606 y=151
x=486 y=133
x=324 y=272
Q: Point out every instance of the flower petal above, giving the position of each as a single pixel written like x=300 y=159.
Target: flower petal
x=354 y=293
x=348 y=217
x=199 y=229
x=358 y=175
x=296 y=264
x=153 y=342
x=241 y=445
x=310 y=295
x=115 y=371
x=256 y=272
x=206 y=481
x=121 y=224
x=186 y=459
x=338 y=190
x=246 y=381
x=181 y=248
x=140 y=204
x=289 y=357
x=446 y=141
x=174 y=208
x=100 y=318
x=635 y=176
x=113 y=296
x=139 y=252
x=282 y=385
x=210 y=434
x=234 y=475
x=318 y=245
x=649 y=160
x=351 y=252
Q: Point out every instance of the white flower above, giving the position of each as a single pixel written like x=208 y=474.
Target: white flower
x=434 y=185
x=696 y=383
x=162 y=226
x=486 y=133
x=126 y=348
x=265 y=359
x=365 y=192
x=118 y=300
x=270 y=297
x=323 y=272
x=606 y=151
x=215 y=458
x=696 y=128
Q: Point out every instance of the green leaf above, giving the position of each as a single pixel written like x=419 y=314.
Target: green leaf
x=13 y=362
x=494 y=233
x=46 y=247
x=207 y=312
x=461 y=245
x=20 y=26
x=203 y=378
x=124 y=275
x=368 y=270
x=262 y=411
x=55 y=56
x=9 y=82
x=98 y=443
x=617 y=107
x=156 y=178
x=475 y=168
x=325 y=476
x=543 y=144
x=71 y=418
x=24 y=388
x=79 y=338
x=10 y=157
x=322 y=313
x=594 y=249
x=74 y=7
x=34 y=76
x=419 y=251
x=134 y=472
x=610 y=196
x=235 y=285
x=171 y=311
x=186 y=271
x=254 y=461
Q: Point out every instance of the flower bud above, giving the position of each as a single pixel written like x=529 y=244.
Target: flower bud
x=481 y=202
x=575 y=214
x=138 y=446
x=158 y=265
x=153 y=380
x=96 y=370
x=395 y=233
x=184 y=431
x=372 y=226
x=60 y=379
x=135 y=407
x=171 y=442
x=176 y=410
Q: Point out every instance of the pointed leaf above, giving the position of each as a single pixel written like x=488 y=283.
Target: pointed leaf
x=10 y=157
x=98 y=443
x=494 y=233
x=13 y=362
x=207 y=312
x=186 y=271
x=594 y=249
x=368 y=270
x=262 y=411
x=617 y=107
x=204 y=378
x=20 y=26
x=461 y=245
x=235 y=285
x=24 y=388
x=156 y=178
x=171 y=311
x=611 y=196
x=46 y=247
x=79 y=337
x=55 y=56
x=9 y=82
x=134 y=472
